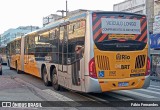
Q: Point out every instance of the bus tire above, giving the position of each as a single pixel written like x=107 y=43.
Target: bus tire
x=45 y=77
x=10 y=68
x=8 y=64
x=54 y=80
x=1 y=72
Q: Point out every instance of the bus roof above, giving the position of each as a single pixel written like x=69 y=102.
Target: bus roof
x=58 y=22
x=80 y=15
x=117 y=12
x=14 y=39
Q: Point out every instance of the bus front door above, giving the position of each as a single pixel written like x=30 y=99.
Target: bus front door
x=68 y=68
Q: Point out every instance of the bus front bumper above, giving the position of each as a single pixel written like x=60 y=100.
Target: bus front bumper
x=103 y=85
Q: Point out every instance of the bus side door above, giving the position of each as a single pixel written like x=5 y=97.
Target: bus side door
x=62 y=61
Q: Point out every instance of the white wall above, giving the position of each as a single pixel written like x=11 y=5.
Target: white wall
x=131 y=6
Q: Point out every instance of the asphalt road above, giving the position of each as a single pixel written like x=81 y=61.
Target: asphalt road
x=150 y=94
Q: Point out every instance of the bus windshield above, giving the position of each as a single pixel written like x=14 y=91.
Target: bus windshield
x=119 y=31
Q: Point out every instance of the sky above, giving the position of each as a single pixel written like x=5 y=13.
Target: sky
x=15 y=13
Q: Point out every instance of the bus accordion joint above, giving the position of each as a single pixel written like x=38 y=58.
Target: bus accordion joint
x=92 y=68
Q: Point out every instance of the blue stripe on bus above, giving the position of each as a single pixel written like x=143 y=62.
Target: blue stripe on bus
x=78 y=16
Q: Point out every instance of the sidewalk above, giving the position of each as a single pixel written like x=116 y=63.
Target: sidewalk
x=14 y=89
x=155 y=78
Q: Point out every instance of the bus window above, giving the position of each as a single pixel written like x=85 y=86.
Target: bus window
x=76 y=39
x=120 y=34
x=76 y=42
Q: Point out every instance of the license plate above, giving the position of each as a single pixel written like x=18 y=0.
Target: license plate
x=121 y=36
x=122 y=84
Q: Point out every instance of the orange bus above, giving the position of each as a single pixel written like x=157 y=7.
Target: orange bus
x=13 y=53
x=92 y=51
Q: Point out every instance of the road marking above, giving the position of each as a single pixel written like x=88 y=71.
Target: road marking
x=153 y=88
x=97 y=98
x=57 y=95
x=62 y=98
x=134 y=93
x=145 y=90
x=84 y=96
x=119 y=97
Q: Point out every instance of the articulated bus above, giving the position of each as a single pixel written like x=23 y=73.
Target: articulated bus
x=13 y=53
x=3 y=54
x=92 y=51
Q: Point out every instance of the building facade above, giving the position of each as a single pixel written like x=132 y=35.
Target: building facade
x=156 y=24
x=155 y=41
x=156 y=7
x=11 y=34
x=139 y=7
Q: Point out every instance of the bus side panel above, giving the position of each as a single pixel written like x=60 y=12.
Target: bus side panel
x=13 y=61
x=37 y=66
x=91 y=84
x=32 y=66
x=18 y=61
x=26 y=70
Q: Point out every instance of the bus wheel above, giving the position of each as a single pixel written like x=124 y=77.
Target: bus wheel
x=8 y=64
x=55 y=84
x=10 y=68
x=1 y=72
x=45 y=77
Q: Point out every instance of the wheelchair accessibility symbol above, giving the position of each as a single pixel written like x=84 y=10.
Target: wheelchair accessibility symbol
x=101 y=74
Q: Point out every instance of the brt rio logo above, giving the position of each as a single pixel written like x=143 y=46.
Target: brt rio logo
x=122 y=57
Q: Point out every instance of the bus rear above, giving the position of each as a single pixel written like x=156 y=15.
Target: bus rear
x=3 y=54
x=120 y=59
